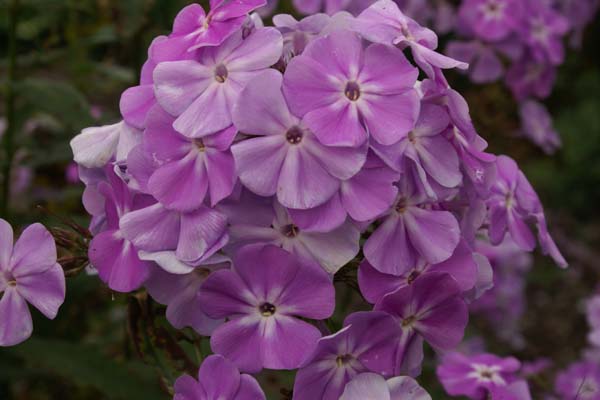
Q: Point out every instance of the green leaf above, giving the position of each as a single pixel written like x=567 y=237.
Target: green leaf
x=85 y=365
x=59 y=99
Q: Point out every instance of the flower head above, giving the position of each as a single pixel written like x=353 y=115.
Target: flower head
x=580 y=380
x=430 y=309
x=218 y=379
x=482 y=375
x=369 y=385
x=491 y=20
x=30 y=274
x=383 y=22
x=286 y=158
x=345 y=93
x=263 y=296
x=201 y=92
x=366 y=343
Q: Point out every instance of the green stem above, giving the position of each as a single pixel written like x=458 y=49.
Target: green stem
x=9 y=145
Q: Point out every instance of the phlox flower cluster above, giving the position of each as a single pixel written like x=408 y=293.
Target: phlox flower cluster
x=518 y=41
x=254 y=163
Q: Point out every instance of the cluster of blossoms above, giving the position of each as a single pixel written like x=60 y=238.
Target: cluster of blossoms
x=253 y=163
x=519 y=41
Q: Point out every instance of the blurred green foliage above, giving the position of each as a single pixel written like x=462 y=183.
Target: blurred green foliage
x=75 y=57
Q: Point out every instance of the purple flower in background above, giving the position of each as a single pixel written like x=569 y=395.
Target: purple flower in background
x=188 y=169
x=366 y=343
x=180 y=293
x=461 y=266
x=72 y=173
x=30 y=274
x=286 y=158
x=491 y=20
x=484 y=65
x=593 y=319
x=504 y=305
x=202 y=92
x=543 y=30
x=193 y=28
x=263 y=296
x=430 y=309
x=482 y=375
x=332 y=250
x=581 y=380
x=114 y=257
x=536 y=125
x=345 y=93
x=383 y=22
x=369 y=385
x=412 y=230
x=439 y=14
x=528 y=77
x=314 y=6
x=579 y=13
x=218 y=379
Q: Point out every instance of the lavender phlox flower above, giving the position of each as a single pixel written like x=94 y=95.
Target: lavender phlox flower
x=193 y=28
x=413 y=229
x=461 y=266
x=263 y=296
x=536 y=125
x=286 y=158
x=365 y=344
x=369 y=385
x=110 y=253
x=218 y=379
x=331 y=250
x=187 y=170
x=580 y=380
x=482 y=376
x=346 y=93
x=383 y=22
x=180 y=292
x=30 y=274
x=512 y=204
x=201 y=92
x=431 y=309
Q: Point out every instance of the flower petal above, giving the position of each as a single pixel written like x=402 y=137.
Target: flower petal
x=34 y=251
x=15 y=325
x=45 y=291
x=258 y=162
x=6 y=244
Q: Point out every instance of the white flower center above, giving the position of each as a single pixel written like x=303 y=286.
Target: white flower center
x=487 y=373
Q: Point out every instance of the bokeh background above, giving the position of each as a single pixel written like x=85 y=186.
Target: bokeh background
x=73 y=58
